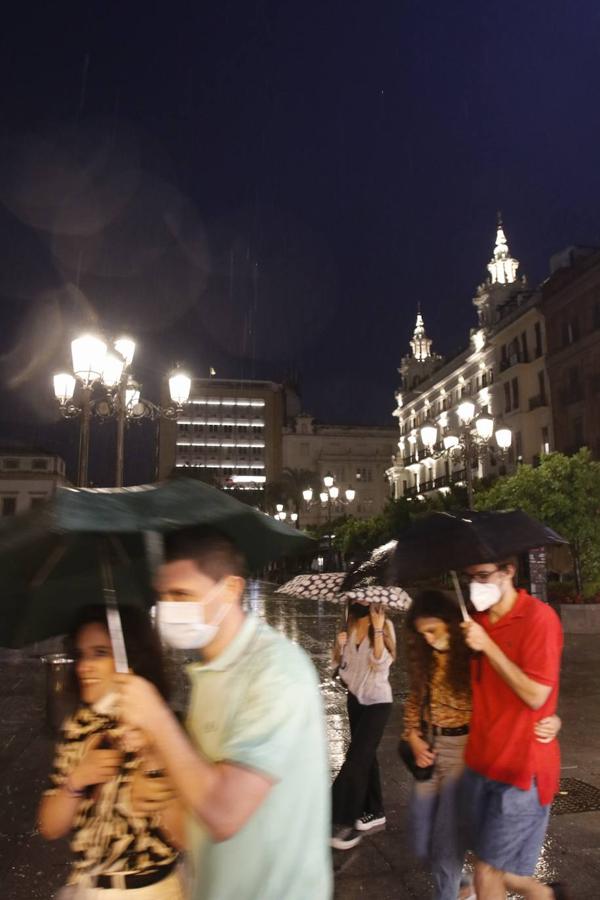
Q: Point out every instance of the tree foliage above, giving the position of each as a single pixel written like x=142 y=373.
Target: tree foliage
x=357 y=537
x=564 y=492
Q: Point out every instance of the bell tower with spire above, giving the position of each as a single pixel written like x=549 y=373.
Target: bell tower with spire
x=502 y=285
x=421 y=362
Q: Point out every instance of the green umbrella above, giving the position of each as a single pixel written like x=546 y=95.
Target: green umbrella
x=91 y=545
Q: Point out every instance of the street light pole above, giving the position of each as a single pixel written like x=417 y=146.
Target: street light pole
x=468 y=467
x=121 y=412
x=84 y=437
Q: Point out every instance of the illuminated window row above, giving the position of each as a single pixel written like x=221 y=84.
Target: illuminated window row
x=255 y=403
x=223 y=465
x=254 y=423
x=228 y=444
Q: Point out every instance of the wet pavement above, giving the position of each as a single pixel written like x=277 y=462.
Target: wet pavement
x=381 y=866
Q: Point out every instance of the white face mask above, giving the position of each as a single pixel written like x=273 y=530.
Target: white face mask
x=181 y=623
x=484 y=596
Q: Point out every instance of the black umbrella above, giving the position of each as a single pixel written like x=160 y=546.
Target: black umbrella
x=442 y=542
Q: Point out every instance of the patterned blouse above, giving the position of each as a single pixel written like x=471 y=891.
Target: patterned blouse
x=107 y=836
x=448 y=709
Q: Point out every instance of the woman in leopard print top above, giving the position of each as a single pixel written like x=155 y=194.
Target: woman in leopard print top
x=106 y=789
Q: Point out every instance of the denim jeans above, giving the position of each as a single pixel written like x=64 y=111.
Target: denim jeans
x=437 y=823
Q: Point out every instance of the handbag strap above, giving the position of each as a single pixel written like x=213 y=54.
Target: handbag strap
x=426 y=705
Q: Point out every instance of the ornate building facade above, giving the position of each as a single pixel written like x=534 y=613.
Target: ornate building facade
x=357 y=456
x=502 y=371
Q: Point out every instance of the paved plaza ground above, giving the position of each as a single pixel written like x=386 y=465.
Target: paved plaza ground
x=381 y=867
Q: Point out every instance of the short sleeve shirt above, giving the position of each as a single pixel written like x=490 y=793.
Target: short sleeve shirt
x=107 y=835
x=258 y=705
x=502 y=744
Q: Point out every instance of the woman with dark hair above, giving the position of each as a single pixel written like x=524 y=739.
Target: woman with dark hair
x=436 y=724
x=364 y=650
x=108 y=789
x=437 y=714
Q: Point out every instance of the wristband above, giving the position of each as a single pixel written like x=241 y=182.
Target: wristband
x=71 y=791
x=378 y=631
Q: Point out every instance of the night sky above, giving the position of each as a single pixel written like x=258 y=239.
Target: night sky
x=271 y=188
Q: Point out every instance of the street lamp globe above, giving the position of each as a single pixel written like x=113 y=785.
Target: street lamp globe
x=429 y=434
x=64 y=387
x=89 y=353
x=282 y=515
x=484 y=426
x=126 y=347
x=334 y=492
x=350 y=494
x=328 y=480
x=180 y=386
x=450 y=441
x=466 y=411
x=279 y=507
x=294 y=516
x=504 y=437
x=307 y=493
x=324 y=496
x=113 y=369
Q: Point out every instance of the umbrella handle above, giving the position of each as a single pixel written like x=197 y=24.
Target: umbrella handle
x=115 y=628
x=460 y=597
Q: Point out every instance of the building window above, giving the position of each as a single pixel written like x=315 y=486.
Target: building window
x=578 y=436
x=9 y=506
x=12 y=464
x=545 y=440
x=515 y=393
x=570 y=331
x=507 y=406
x=538 y=340
x=36 y=501
x=39 y=464
x=519 y=446
x=524 y=348
x=542 y=387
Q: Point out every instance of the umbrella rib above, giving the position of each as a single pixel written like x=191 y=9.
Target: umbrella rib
x=48 y=566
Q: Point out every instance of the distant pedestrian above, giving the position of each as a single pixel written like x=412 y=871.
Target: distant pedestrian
x=126 y=825
x=365 y=650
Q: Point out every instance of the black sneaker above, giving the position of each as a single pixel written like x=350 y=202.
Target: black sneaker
x=368 y=821
x=344 y=837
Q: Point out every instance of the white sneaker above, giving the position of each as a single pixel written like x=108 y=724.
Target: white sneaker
x=368 y=821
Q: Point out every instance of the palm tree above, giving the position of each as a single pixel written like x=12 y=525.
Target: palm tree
x=294 y=482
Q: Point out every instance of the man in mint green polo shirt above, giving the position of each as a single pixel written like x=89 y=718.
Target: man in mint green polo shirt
x=252 y=769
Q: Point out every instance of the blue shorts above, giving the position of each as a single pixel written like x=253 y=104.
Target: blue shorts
x=507 y=825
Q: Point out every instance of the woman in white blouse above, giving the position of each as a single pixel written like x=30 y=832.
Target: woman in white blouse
x=365 y=650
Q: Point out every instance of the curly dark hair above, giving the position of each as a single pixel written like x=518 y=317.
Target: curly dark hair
x=433 y=604
x=144 y=651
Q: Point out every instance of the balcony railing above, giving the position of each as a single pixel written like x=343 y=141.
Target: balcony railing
x=507 y=362
x=538 y=401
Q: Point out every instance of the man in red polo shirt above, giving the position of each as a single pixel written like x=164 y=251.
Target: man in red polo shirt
x=511 y=778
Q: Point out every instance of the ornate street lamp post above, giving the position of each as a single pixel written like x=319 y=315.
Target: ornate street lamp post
x=328 y=497
x=101 y=385
x=469 y=443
